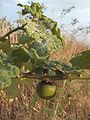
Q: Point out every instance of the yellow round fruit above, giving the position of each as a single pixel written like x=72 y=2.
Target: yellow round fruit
x=46 y=90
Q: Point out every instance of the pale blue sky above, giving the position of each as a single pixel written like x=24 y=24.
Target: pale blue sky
x=82 y=12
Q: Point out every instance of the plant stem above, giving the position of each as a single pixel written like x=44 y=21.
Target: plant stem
x=11 y=31
x=37 y=76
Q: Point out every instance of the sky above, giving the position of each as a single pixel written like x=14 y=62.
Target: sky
x=9 y=9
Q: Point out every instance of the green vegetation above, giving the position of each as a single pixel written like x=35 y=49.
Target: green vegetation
x=40 y=35
x=30 y=60
x=5 y=80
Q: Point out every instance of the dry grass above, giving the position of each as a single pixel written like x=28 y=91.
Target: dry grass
x=72 y=101
x=73 y=48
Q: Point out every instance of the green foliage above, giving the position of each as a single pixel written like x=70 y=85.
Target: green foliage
x=3 y=58
x=19 y=55
x=41 y=28
x=58 y=65
x=12 y=70
x=5 y=65
x=38 y=38
x=36 y=59
x=40 y=48
x=82 y=61
x=28 y=65
x=54 y=68
x=5 y=80
x=56 y=31
x=23 y=39
x=35 y=9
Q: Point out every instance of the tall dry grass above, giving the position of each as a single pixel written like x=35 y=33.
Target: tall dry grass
x=73 y=48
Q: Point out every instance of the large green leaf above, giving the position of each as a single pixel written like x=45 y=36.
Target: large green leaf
x=82 y=61
x=40 y=48
x=23 y=38
x=5 y=65
x=3 y=57
x=5 y=80
x=20 y=55
x=12 y=70
x=28 y=65
x=36 y=59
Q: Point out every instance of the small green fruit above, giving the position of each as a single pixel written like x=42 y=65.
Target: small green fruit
x=46 y=90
